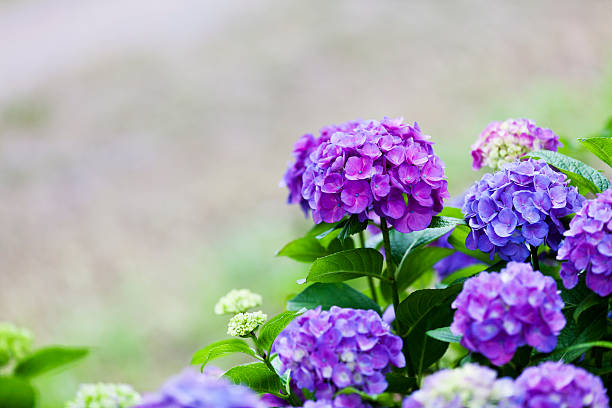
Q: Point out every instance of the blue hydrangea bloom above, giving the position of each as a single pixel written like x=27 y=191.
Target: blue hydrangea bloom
x=327 y=351
x=191 y=389
x=588 y=246
x=559 y=385
x=519 y=205
x=499 y=312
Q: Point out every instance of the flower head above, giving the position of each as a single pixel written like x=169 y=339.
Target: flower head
x=503 y=142
x=467 y=386
x=330 y=350
x=517 y=206
x=104 y=396
x=499 y=312
x=191 y=389
x=557 y=385
x=362 y=167
x=244 y=323
x=15 y=343
x=341 y=401
x=237 y=301
x=588 y=246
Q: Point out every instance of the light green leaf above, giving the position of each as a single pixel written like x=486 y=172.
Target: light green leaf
x=416 y=263
x=600 y=147
x=444 y=334
x=402 y=244
x=257 y=377
x=305 y=249
x=451 y=212
x=16 y=393
x=271 y=329
x=327 y=295
x=221 y=348
x=346 y=265
x=462 y=273
x=47 y=359
x=580 y=174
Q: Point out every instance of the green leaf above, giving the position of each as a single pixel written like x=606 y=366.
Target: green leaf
x=16 y=393
x=346 y=265
x=422 y=311
x=257 y=377
x=271 y=329
x=337 y=246
x=306 y=249
x=600 y=147
x=402 y=244
x=464 y=273
x=221 y=348
x=451 y=212
x=352 y=226
x=580 y=174
x=416 y=263
x=457 y=240
x=327 y=295
x=400 y=384
x=47 y=359
x=588 y=302
x=582 y=347
x=444 y=334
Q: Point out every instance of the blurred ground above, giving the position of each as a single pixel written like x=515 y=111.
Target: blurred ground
x=141 y=143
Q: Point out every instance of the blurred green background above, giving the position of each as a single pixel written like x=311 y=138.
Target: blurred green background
x=141 y=144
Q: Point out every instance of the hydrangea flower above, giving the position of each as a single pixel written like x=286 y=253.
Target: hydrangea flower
x=363 y=167
x=327 y=351
x=341 y=401
x=517 y=206
x=467 y=386
x=499 y=312
x=588 y=246
x=104 y=396
x=559 y=385
x=191 y=389
x=15 y=343
x=237 y=301
x=503 y=142
x=244 y=323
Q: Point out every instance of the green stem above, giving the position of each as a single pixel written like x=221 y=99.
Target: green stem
x=534 y=258
x=370 y=279
x=390 y=266
x=260 y=352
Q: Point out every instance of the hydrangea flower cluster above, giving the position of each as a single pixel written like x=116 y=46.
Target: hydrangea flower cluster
x=388 y=168
x=499 y=312
x=330 y=350
x=244 y=323
x=341 y=401
x=191 y=389
x=503 y=142
x=468 y=386
x=588 y=246
x=520 y=204
x=104 y=396
x=554 y=384
x=237 y=301
x=15 y=343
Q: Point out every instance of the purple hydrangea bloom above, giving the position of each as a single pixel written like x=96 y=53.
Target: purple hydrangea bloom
x=341 y=401
x=470 y=385
x=386 y=168
x=517 y=206
x=327 y=351
x=499 y=312
x=191 y=389
x=502 y=142
x=588 y=246
x=557 y=385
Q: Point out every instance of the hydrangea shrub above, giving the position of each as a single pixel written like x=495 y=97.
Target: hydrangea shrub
x=503 y=302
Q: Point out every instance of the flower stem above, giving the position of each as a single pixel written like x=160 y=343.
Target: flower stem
x=370 y=279
x=260 y=352
x=534 y=258
x=390 y=266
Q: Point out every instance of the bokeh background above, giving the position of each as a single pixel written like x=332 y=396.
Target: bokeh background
x=142 y=142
